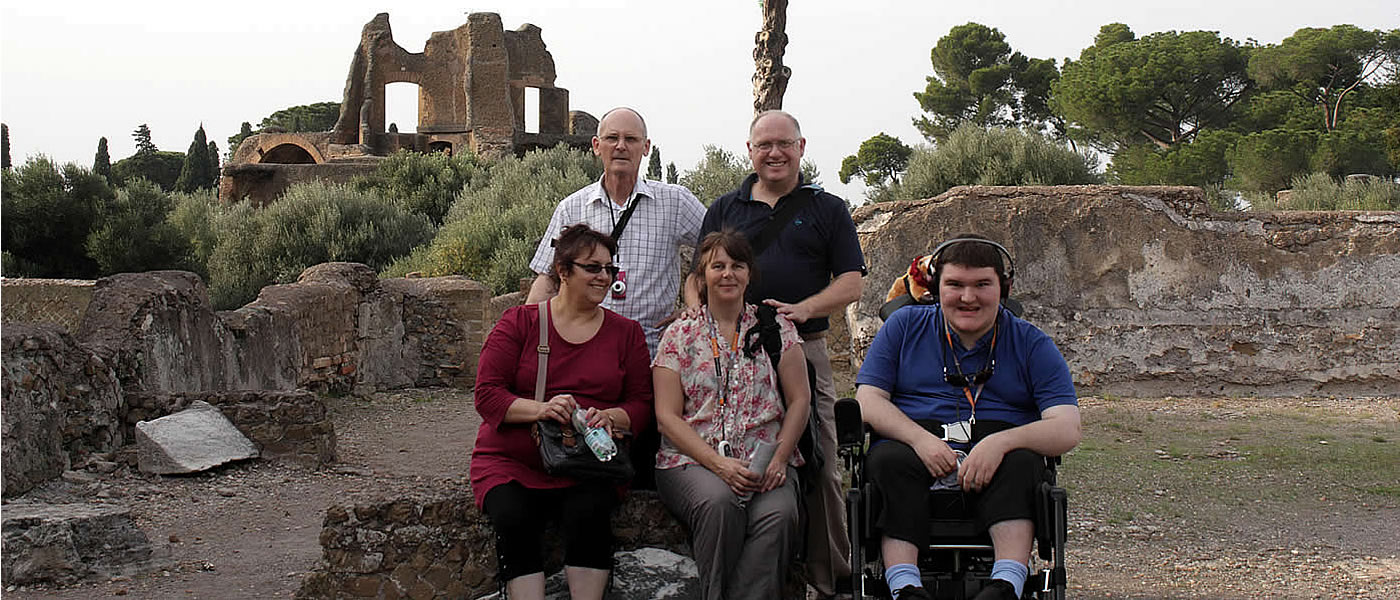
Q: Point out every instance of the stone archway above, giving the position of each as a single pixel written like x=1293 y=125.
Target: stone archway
x=283 y=148
x=287 y=154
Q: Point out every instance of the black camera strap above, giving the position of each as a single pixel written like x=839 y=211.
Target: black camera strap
x=616 y=234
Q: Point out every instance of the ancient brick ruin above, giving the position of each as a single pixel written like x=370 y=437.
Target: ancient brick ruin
x=472 y=84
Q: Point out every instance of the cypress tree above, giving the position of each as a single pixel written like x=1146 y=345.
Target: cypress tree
x=102 y=163
x=654 y=167
x=671 y=175
x=4 y=146
x=213 y=180
x=194 y=174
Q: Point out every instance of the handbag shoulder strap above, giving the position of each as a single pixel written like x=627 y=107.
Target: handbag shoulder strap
x=543 y=350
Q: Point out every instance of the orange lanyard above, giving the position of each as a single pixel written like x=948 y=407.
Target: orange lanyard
x=714 y=348
x=991 y=356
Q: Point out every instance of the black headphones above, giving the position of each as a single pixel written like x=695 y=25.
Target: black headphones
x=1006 y=277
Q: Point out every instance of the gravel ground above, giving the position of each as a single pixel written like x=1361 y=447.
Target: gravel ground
x=251 y=530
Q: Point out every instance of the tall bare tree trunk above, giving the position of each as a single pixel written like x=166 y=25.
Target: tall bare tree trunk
x=770 y=77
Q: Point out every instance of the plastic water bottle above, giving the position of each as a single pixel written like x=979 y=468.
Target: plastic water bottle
x=597 y=438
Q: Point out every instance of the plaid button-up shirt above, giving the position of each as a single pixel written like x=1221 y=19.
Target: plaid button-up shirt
x=667 y=217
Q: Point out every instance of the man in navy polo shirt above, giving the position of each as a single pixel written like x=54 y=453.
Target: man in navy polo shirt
x=963 y=394
x=811 y=269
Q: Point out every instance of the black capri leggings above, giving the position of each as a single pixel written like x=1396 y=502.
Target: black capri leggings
x=903 y=481
x=519 y=515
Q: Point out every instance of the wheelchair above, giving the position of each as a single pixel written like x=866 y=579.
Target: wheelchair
x=958 y=561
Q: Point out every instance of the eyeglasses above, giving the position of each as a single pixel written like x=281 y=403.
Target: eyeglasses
x=595 y=268
x=779 y=144
x=978 y=378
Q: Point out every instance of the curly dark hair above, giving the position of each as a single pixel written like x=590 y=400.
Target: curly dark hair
x=575 y=242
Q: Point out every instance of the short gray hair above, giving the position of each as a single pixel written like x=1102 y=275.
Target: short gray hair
x=626 y=108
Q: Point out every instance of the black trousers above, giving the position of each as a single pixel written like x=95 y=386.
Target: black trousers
x=902 y=483
x=519 y=516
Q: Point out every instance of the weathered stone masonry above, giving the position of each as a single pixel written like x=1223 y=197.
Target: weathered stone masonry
x=1148 y=292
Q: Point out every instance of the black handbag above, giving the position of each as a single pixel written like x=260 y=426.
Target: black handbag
x=562 y=449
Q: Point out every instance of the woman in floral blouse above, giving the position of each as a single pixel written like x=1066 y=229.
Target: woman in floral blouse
x=716 y=404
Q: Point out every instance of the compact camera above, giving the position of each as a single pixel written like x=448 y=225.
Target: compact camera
x=619 y=286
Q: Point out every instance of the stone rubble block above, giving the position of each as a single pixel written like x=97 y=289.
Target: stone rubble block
x=193 y=440
x=641 y=574
x=68 y=543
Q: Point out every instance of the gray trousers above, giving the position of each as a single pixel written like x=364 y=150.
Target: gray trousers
x=742 y=550
x=828 y=545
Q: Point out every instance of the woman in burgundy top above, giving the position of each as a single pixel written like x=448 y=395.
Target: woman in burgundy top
x=597 y=361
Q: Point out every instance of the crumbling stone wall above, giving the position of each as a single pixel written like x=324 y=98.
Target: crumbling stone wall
x=1148 y=292
x=293 y=426
x=64 y=404
x=438 y=545
x=57 y=301
x=337 y=329
x=61 y=403
x=149 y=344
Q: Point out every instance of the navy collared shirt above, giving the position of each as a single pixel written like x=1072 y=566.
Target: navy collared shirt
x=817 y=245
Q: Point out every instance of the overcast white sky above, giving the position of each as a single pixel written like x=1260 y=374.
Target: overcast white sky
x=74 y=71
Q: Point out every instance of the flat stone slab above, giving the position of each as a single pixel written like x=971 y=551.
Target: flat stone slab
x=192 y=440
x=68 y=543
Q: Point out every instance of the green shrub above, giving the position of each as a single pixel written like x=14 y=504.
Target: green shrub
x=48 y=213
x=161 y=168
x=1266 y=161
x=492 y=230
x=312 y=223
x=718 y=173
x=1319 y=191
x=194 y=216
x=424 y=183
x=995 y=156
x=135 y=235
x=1200 y=163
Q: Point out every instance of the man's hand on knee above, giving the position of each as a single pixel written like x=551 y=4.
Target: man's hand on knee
x=981 y=464
x=937 y=457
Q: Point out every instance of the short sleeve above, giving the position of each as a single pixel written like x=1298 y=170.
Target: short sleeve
x=881 y=366
x=544 y=252
x=846 y=255
x=1053 y=385
x=788 y=333
x=668 y=352
x=692 y=217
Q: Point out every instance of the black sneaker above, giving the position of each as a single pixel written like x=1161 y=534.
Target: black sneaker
x=997 y=589
x=912 y=592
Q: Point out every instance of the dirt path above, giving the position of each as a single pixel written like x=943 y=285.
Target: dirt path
x=1216 y=515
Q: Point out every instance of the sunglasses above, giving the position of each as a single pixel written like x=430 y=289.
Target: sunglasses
x=978 y=378
x=594 y=268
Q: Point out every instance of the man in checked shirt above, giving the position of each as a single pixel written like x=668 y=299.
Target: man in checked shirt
x=655 y=220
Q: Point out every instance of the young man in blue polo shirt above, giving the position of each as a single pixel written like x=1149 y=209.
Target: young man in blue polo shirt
x=963 y=393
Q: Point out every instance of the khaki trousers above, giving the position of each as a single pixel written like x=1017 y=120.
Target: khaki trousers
x=828 y=547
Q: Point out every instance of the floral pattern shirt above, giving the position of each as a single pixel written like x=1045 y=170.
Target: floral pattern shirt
x=752 y=410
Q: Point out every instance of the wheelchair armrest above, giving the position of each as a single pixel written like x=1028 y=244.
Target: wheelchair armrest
x=850 y=428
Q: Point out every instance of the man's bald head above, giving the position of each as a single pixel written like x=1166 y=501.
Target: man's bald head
x=620 y=112
x=776 y=114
